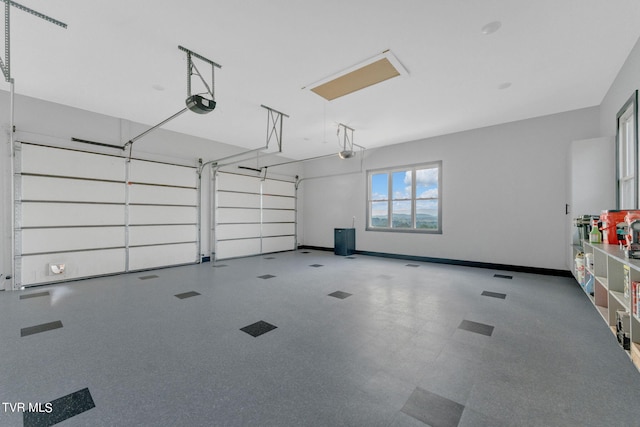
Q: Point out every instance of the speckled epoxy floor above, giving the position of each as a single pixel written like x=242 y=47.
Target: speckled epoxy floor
x=394 y=345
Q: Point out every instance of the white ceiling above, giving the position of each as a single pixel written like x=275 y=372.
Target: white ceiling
x=558 y=55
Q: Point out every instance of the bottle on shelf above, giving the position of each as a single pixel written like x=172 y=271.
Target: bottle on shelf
x=579 y=268
x=634 y=297
x=594 y=234
x=626 y=283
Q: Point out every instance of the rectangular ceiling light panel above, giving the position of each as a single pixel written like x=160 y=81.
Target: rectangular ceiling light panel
x=375 y=70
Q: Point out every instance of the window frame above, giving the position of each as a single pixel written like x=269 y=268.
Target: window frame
x=390 y=199
x=632 y=102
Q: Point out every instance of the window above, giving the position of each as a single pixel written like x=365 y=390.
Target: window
x=405 y=199
x=627 y=152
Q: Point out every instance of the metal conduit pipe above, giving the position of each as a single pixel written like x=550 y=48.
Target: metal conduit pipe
x=302 y=160
x=12 y=183
x=244 y=160
x=317 y=158
x=151 y=129
x=272 y=129
x=201 y=167
x=233 y=156
x=199 y=214
x=212 y=195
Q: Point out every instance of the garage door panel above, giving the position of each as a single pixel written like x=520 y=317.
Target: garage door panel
x=35 y=269
x=231 y=216
x=237 y=248
x=71 y=214
x=161 y=234
x=74 y=190
x=275 y=187
x=55 y=161
x=146 y=257
x=278 y=202
x=277 y=244
x=278 y=216
x=159 y=173
x=237 y=231
x=152 y=194
x=238 y=183
x=139 y=215
x=278 y=229
x=154 y=235
x=71 y=239
x=238 y=200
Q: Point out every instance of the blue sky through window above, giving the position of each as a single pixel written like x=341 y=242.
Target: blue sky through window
x=379 y=187
x=397 y=202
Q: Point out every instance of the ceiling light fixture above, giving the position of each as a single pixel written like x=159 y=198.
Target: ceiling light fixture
x=364 y=74
x=491 y=27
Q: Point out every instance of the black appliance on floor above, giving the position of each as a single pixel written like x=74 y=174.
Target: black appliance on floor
x=344 y=241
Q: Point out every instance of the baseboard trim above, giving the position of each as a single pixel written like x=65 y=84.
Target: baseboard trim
x=476 y=264
x=315 y=248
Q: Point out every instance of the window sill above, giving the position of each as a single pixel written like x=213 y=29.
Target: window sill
x=403 y=230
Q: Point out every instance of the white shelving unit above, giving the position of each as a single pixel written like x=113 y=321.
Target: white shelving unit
x=608 y=296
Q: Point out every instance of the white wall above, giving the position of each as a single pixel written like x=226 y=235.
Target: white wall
x=590 y=183
x=503 y=186
x=503 y=193
x=48 y=123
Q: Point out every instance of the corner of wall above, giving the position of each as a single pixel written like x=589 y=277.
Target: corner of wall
x=626 y=81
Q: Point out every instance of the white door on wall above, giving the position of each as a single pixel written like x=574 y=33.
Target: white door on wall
x=78 y=209
x=253 y=216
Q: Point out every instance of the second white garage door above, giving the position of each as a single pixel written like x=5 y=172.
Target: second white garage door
x=253 y=216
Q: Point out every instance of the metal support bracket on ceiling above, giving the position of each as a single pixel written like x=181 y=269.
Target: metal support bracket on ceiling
x=195 y=102
x=347 y=141
x=274 y=126
x=191 y=67
x=5 y=65
x=274 y=130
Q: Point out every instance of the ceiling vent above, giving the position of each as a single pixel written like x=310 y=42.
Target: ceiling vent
x=368 y=73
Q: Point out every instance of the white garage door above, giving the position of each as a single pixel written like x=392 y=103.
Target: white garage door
x=253 y=216
x=75 y=208
x=163 y=215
